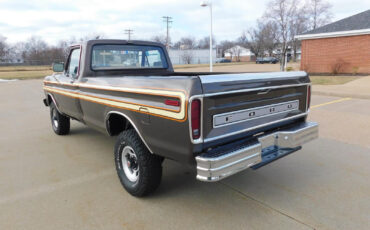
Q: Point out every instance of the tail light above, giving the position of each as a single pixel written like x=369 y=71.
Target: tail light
x=308 y=97
x=195 y=118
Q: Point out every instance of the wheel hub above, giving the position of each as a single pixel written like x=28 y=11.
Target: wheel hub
x=129 y=163
x=55 y=118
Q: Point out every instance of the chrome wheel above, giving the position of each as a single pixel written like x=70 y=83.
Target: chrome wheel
x=129 y=163
x=54 y=118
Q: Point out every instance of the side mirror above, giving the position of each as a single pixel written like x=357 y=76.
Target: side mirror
x=58 y=67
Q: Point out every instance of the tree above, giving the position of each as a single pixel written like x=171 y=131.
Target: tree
x=204 y=42
x=269 y=36
x=224 y=46
x=177 y=45
x=319 y=12
x=242 y=40
x=64 y=45
x=262 y=38
x=34 y=51
x=92 y=36
x=298 y=25
x=282 y=12
x=235 y=51
x=255 y=41
x=160 y=39
x=3 y=48
x=187 y=56
x=188 y=43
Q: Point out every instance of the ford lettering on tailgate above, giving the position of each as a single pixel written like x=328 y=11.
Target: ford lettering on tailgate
x=258 y=112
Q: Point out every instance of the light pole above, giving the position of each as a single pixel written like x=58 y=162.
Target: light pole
x=204 y=4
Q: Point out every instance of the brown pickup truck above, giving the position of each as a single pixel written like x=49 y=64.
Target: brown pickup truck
x=221 y=123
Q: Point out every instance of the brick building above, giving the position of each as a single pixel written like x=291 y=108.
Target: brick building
x=339 y=47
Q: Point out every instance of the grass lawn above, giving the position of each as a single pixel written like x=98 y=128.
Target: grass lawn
x=206 y=65
x=32 y=72
x=24 y=72
x=332 y=80
x=21 y=75
x=24 y=68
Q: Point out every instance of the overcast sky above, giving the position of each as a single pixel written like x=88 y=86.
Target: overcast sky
x=62 y=19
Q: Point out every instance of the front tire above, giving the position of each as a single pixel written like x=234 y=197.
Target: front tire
x=59 y=122
x=139 y=171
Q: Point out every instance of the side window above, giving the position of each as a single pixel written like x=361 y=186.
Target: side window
x=154 y=58
x=73 y=64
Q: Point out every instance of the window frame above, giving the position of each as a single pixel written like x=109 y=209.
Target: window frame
x=72 y=48
x=162 y=52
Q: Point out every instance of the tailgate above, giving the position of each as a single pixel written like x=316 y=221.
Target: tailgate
x=240 y=103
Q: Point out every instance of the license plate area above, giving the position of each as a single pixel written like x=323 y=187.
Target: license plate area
x=234 y=117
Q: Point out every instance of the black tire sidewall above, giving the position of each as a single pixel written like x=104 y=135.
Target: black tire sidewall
x=118 y=161
x=150 y=165
x=63 y=121
x=52 y=109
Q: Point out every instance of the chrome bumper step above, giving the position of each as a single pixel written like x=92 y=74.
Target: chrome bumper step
x=264 y=150
x=272 y=154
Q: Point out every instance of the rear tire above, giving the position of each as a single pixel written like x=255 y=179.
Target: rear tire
x=139 y=171
x=59 y=122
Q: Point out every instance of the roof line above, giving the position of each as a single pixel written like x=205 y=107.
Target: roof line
x=333 y=34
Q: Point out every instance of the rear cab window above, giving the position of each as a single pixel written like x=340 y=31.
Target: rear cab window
x=118 y=57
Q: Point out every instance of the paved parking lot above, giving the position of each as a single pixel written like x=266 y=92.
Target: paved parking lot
x=53 y=182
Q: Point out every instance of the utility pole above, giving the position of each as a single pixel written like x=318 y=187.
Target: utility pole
x=168 y=21
x=129 y=32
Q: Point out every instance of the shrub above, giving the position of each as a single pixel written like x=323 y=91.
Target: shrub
x=355 y=70
x=337 y=66
x=289 y=68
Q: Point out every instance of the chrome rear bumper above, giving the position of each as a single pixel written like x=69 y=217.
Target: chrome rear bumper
x=267 y=149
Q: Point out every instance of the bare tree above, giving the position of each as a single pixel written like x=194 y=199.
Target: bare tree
x=34 y=50
x=187 y=56
x=319 y=12
x=64 y=45
x=188 y=43
x=92 y=36
x=3 y=47
x=235 y=52
x=269 y=36
x=242 y=40
x=204 y=42
x=177 y=45
x=255 y=41
x=298 y=25
x=160 y=39
x=282 y=12
x=224 y=46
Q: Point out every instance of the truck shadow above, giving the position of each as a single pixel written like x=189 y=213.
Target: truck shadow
x=178 y=180
x=266 y=183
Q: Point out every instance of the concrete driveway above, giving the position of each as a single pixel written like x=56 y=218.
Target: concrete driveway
x=53 y=182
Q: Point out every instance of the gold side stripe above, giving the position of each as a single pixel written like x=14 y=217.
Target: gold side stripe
x=151 y=91
x=179 y=116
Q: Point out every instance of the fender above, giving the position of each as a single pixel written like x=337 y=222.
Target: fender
x=131 y=122
x=52 y=98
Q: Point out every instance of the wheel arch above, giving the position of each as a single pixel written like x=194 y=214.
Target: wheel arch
x=50 y=98
x=127 y=122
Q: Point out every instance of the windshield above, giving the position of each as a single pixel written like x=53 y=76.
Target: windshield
x=127 y=57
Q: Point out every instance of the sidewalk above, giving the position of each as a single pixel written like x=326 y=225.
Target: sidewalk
x=356 y=89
